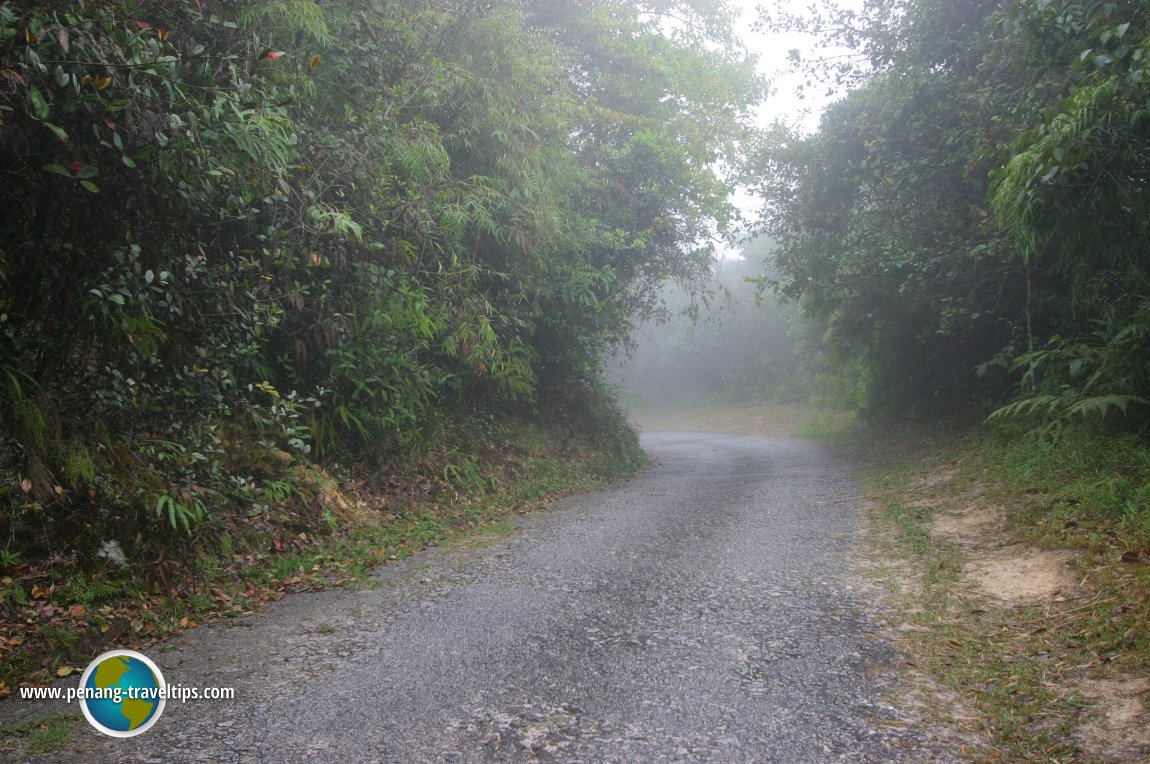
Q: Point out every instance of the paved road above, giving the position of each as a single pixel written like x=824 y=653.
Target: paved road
x=704 y=610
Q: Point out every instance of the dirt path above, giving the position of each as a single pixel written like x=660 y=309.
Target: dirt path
x=704 y=610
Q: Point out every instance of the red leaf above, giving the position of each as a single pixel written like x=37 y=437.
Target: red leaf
x=77 y=166
x=142 y=24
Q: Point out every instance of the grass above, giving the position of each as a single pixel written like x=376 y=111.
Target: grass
x=487 y=535
x=827 y=426
x=1020 y=668
x=36 y=736
x=766 y=419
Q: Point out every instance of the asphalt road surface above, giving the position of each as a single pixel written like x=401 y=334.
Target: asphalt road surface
x=706 y=610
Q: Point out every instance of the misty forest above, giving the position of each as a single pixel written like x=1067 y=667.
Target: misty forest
x=290 y=288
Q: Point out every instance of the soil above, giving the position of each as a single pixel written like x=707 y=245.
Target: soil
x=1020 y=575
x=1115 y=726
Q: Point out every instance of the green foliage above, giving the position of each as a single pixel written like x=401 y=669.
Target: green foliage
x=182 y=511
x=970 y=220
x=240 y=237
x=911 y=288
x=41 y=735
x=1091 y=484
x=465 y=474
x=1087 y=378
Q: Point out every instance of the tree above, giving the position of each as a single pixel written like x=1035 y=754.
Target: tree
x=1074 y=196
x=324 y=230
x=881 y=217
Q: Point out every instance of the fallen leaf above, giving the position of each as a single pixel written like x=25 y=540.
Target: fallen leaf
x=65 y=670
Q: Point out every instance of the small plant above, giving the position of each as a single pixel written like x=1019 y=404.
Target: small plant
x=1090 y=379
x=87 y=590
x=190 y=514
x=466 y=475
x=12 y=593
x=44 y=735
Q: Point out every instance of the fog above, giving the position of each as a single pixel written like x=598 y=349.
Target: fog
x=735 y=342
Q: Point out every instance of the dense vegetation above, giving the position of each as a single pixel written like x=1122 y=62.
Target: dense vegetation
x=970 y=219
x=240 y=238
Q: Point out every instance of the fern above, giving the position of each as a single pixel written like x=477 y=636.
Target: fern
x=79 y=467
x=1038 y=404
x=1101 y=405
x=1087 y=379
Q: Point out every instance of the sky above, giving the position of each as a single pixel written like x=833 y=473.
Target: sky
x=772 y=50
x=783 y=104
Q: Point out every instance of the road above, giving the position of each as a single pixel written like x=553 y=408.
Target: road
x=708 y=609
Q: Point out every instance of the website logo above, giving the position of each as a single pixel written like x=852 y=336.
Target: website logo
x=122 y=693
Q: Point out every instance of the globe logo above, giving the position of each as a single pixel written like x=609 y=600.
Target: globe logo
x=122 y=693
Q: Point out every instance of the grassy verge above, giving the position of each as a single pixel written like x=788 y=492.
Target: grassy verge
x=1023 y=574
